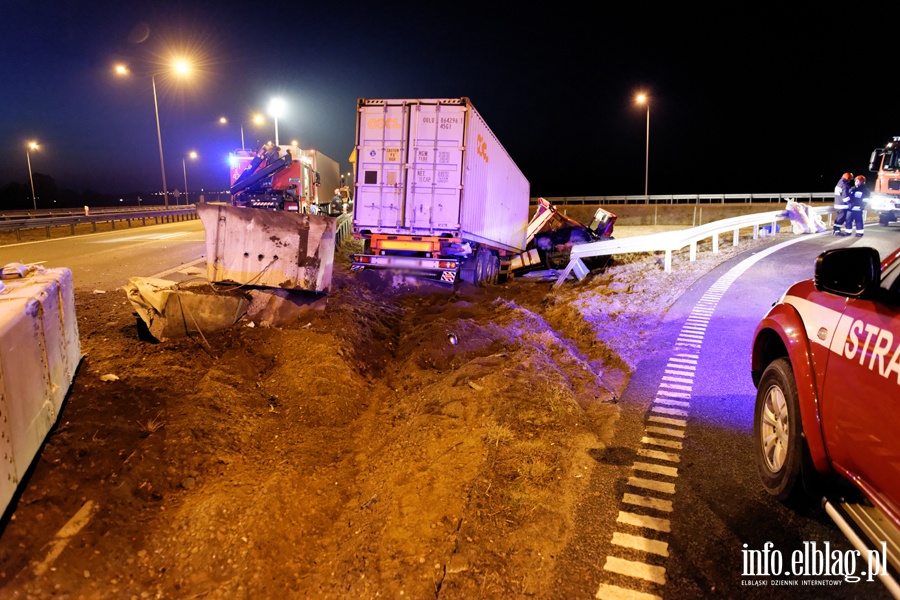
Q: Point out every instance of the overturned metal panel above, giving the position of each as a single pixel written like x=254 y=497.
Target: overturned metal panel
x=256 y=247
x=275 y=308
x=170 y=309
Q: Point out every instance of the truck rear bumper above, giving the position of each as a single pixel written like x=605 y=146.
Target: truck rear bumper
x=444 y=270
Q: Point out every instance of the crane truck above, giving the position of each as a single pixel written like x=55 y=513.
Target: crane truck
x=275 y=178
x=437 y=196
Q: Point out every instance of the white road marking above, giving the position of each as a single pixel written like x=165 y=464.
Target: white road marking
x=672 y=412
x=178 y=268
x=644 y=521
x=648 y=502
x=659 y=455
x=636 y=542
x=632 y=568
x=658 y=469
x=65 y=535
x=667 y=421
x=614 y=592
x=652 y=484
x=664 y=443
x=665 y=431
x=669 y=402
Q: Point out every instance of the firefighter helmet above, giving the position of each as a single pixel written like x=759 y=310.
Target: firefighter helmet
x=860 y=179
x=847 y=176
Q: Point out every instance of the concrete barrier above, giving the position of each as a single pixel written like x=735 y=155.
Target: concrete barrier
x=39 y=353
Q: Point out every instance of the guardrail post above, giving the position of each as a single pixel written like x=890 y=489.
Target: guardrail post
x=47 y=229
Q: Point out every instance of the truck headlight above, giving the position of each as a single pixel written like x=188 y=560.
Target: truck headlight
x=881 y=202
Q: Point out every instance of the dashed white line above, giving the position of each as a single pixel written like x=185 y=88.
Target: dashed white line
x=648 y=502
x=652 y=484
x=643 y=544
x=635 y=569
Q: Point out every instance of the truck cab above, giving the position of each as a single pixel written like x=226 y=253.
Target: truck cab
x=885 y=198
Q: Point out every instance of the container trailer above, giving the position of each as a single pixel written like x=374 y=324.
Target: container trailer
x=437 y=196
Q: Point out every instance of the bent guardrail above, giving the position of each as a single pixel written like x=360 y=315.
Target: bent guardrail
x=672 y=241
x=344 y=229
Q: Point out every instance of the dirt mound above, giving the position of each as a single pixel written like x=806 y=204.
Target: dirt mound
x=405 y=440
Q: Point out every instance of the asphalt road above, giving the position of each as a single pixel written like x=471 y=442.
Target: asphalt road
x=106 y=260
x=698 y=381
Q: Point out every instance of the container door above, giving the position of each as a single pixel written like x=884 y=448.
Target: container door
x=382 y=149
x=436 y=138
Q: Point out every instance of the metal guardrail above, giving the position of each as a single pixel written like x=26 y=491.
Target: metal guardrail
x=46 y=222
x=344 y=229
x=689 y=199
x=671 y=241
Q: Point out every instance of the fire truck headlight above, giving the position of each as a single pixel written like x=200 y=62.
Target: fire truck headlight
x=881 y=202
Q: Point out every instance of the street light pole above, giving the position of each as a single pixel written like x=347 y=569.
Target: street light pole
x=184 y=166
x=647 y=155
x=242 y=136
x=29 y=148
x=162 y=164
x=643 y=99
x=276 y=106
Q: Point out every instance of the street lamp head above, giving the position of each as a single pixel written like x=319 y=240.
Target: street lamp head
x=641 y=98
x=121 y=69
x=223 y=120
x=181 y=67
x=33 y=145
x=276 y=107
x=192 y=154
x=259 y=119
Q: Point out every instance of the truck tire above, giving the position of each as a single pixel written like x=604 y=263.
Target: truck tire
x=884 y=219
x=494 y=269
x=487 y=267
x=778 y=444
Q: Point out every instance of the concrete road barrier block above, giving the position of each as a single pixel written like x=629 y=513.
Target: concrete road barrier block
x=39 y=353
x=264 y=248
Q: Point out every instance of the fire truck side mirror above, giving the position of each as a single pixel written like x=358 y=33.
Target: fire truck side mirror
x=873 y=160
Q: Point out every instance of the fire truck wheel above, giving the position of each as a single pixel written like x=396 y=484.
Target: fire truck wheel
x=778 y=432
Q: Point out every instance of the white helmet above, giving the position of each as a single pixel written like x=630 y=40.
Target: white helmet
x=337 y=192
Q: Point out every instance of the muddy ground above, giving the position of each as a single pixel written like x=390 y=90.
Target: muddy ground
x=403 y=442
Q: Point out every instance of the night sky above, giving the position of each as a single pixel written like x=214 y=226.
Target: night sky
x=743 y=99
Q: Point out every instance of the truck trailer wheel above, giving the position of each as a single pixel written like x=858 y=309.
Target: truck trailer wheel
x=778 y=432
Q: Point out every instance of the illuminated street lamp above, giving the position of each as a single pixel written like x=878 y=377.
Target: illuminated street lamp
x=31 y=146
x=192 y=156
x=644 y=99
x=276 y=109
x=257 y=119
x=180 y=67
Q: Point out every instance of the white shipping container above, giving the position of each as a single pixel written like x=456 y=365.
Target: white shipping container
x=432 y=167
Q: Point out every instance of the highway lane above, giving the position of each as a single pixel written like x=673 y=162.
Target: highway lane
x=106 y=260
x=696 y=385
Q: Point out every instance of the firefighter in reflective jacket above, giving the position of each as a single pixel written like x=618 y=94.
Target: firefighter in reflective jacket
x=841 y=195
x=859 y=196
